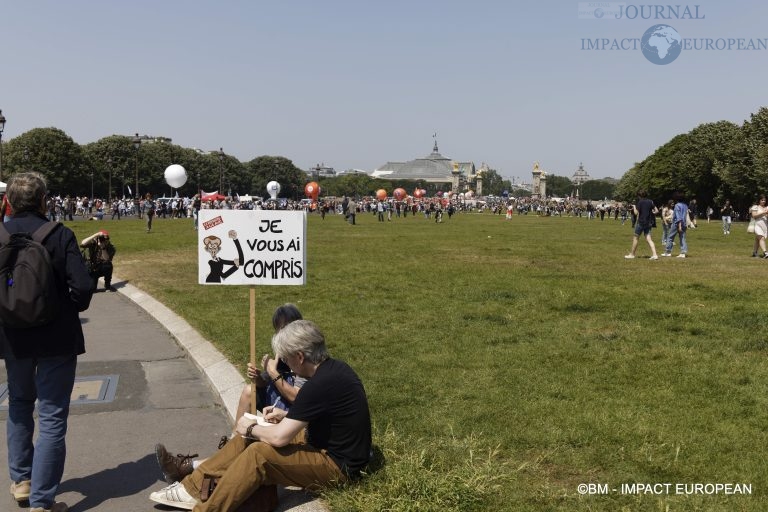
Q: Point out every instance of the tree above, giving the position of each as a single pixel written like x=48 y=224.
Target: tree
x=596 y=190
x=559 y=186
x=51 y=152
x=118 y=149
x=494 y=184
x=263 y=169
x=708 y=163
x=626 y=189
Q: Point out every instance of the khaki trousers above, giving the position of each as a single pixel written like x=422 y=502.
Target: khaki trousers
x=242 y=468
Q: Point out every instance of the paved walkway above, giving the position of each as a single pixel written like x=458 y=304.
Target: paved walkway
x=170 y=386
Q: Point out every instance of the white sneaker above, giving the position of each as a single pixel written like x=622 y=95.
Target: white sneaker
x=653 y=258
x=666 y=254
x=681 y=255
x=175 y=495
x=629 y=257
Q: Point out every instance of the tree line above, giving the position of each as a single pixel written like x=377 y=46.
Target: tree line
x=109 y=168
x=72 y=169
x=711 y=163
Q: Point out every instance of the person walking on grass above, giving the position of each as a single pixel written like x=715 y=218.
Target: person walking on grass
x=759 y=213
x=726 y=213
x=667 y=213
x=646 y=212
x=680 y=219
x=151 y=208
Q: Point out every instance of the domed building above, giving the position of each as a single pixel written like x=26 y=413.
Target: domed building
x=580 y=176
x=433 y=168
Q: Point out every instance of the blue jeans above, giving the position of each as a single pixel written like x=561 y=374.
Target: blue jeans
x=726 y=223
x=50 y=382
x=665 y=229
x=671 y=239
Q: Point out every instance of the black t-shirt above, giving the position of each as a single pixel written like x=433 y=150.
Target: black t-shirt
x=334 y=404
x=645 y=212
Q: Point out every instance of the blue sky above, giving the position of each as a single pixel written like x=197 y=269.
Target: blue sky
x=354 y=84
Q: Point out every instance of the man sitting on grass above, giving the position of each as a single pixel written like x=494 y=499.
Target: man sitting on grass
x=332 y=407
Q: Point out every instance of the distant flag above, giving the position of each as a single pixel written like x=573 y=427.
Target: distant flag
x=130 y=192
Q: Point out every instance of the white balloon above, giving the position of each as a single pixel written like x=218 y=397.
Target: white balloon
x=175 y=175
x=273 y=188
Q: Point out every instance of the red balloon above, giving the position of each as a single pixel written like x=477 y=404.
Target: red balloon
x=399 y=194
x=418 y=193
x=311 y=190
x=381 y=194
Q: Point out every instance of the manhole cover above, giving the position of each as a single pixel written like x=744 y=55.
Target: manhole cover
x=94 y=389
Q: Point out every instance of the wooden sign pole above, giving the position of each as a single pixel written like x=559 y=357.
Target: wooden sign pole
x=253 y=346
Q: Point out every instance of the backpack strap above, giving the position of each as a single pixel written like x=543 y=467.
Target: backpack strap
x=43 y=231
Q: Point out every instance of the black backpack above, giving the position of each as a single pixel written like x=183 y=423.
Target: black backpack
x=28 y=295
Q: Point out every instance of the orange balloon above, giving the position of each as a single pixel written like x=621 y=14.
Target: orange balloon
x=311 y=190
x=417 y=193
x=381 y=194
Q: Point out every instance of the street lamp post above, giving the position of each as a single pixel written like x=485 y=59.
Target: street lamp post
x=109 y=189
x=91 y=186
x=221 y=169
x=2 y=127
x=136 y=145
x=137 y=202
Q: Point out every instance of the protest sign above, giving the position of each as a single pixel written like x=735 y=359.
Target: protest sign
x=252 y=247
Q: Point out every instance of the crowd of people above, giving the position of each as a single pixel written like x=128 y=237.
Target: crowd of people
x=314 y=427
x=678 y=216
x=304 y=419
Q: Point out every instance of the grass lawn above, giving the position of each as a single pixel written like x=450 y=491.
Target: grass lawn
x=507 y=362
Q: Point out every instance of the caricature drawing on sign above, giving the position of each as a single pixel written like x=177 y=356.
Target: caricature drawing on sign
x=213 y=246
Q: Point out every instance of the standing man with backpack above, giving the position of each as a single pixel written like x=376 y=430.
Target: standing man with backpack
x=40 y=353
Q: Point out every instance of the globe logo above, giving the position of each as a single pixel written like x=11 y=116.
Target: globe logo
x=661 y=44
x=599 y=13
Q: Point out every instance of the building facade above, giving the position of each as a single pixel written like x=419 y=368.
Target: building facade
x=434 y=168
